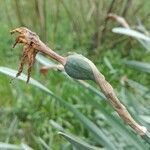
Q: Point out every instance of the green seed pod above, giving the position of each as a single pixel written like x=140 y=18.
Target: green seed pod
x=79 y=67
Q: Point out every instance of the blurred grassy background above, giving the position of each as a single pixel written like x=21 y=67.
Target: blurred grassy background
x=69 y=26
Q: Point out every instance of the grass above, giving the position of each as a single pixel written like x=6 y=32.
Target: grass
x=26 y=112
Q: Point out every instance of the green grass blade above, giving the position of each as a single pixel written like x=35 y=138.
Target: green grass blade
x=43 y=143
x=56 y=125
x=23 y=77
x=109 y=65
x=78 y=143
x=145 y=67
x=131 y=32
x=145 y=118
x=136 y=85
x=43 y=60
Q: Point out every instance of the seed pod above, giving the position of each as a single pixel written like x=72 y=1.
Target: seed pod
x=79 y=67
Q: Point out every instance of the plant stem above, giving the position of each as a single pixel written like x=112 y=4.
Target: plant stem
x=46 y=50
x=108 y=91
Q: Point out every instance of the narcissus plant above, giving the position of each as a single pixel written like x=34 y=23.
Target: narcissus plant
x=78 y=67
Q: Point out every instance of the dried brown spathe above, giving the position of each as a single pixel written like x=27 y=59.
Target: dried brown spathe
x=32 y=45
x=29 y=52
x=28 y=56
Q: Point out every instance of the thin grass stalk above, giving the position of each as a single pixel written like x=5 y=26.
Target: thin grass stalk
x=81 y=8
x=74 y=22
x=18 y=12
x=96 y=36
x=39 y=5
x=8 y=14
x=45 y=19
x=106 y=20
x=56 y=20
x=126 y=7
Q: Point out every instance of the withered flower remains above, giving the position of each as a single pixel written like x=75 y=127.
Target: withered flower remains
x=32 y=45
